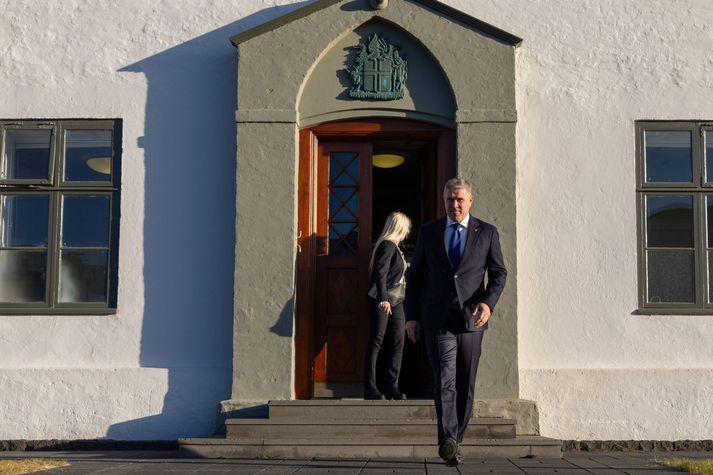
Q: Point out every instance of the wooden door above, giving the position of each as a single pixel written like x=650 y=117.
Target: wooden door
x=343 y=231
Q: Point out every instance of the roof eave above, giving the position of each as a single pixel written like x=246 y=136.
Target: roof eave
x=435 y=5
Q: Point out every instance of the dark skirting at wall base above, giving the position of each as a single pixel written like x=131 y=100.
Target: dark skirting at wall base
x=637 y=445
x=21 y=445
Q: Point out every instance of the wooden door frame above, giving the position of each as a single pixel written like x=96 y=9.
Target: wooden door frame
x=361 y=130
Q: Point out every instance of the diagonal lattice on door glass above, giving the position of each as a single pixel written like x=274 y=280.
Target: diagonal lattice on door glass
x=343 y=203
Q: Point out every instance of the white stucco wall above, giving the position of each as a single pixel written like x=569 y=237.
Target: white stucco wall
x=586 y=70
x=159 y=367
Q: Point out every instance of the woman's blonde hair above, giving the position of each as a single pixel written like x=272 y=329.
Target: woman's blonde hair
x=396 y=228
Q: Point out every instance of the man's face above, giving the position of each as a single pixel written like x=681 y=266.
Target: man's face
x=457 y=204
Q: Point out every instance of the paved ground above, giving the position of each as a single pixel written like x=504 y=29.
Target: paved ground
x=168 y=463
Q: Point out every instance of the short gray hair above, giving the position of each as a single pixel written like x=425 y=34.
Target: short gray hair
x=458 y=184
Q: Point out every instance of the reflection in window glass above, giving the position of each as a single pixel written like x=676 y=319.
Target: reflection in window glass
x=670 y=276
x=669 y=221
x=83 y=276
x=24 y=220
x=23 y=276
x=26 y=155
x=668 y=156
x=85 y=221
x=88 y=155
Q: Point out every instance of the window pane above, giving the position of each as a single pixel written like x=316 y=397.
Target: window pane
x=343 y=204
x=343 y=239
x=22 y=276
x=26 y=154
x=670 y=276
x=83 y=276
x=668 y=156
x=23 y=220
x=343 y=169
x=669 y=221
x=85 y=221
x=88 y=155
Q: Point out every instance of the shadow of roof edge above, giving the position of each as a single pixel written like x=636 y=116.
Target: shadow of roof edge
x=438 y=7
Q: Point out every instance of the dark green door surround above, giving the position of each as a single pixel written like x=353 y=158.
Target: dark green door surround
x=292 y=73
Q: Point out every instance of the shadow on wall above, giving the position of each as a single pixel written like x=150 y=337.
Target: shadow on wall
x=189 y=228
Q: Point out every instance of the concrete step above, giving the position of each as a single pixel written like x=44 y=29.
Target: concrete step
x=352 y=409
x=367 y=448
x=286 y=428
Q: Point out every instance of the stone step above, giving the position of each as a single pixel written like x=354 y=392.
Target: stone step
x=314 y=428
x=367 y=448
x=333 y=409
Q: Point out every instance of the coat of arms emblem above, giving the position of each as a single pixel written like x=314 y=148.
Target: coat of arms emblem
x=379 y=72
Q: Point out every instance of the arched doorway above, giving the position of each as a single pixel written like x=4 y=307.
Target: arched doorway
x=344 y=199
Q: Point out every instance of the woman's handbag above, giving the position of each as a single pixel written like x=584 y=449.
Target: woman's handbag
x=397 y=293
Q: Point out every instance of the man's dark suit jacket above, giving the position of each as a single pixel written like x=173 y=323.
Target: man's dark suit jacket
x=433 y=285
x=386 y=270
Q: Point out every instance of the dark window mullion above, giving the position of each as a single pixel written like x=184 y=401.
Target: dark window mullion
x=703 y=129
x=705 y=249
x=697 y=153
x=698 y=242
x=60 y=163
x=2 y=149
x=53 y=254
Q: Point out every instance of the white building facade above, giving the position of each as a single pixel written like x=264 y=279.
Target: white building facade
x=595 y=350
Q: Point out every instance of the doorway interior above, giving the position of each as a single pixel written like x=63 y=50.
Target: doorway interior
x=346 y=191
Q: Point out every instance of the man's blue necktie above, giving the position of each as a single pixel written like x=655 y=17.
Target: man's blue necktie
x=454 y=246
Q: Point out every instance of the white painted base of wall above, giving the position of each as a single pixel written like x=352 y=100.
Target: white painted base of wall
x=117 y=403
x=612 y=404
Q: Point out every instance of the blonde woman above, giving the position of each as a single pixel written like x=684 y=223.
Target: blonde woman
x=386 y=309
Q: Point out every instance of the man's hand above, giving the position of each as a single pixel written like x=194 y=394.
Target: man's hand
x=482 y=313
x=385 y=306
x=413 y=329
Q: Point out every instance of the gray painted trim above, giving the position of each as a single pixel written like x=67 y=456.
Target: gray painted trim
x=438 y=7
x=354 y=114
x=266 y=115
x=486 y=115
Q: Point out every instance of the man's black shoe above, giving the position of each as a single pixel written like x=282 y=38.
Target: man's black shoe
x=373 y=395
x=395 y=394
x=457 y=460
x=448 y=449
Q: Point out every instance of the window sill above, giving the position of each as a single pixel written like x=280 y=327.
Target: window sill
x=58 y=311
x=681 y=312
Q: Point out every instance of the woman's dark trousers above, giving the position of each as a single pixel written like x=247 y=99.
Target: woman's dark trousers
x=386 y=333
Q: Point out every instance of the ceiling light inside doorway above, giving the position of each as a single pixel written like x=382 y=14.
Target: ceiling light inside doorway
x=387 y=160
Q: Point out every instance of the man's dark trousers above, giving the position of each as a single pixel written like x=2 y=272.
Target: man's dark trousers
x=452 y=351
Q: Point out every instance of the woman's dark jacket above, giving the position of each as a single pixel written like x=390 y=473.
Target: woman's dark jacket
x=386 y=270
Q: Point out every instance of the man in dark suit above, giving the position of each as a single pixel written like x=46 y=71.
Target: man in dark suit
x=447 y=295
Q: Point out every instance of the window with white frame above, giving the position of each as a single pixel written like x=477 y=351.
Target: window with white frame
x=59 y=215
x=675 y=212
